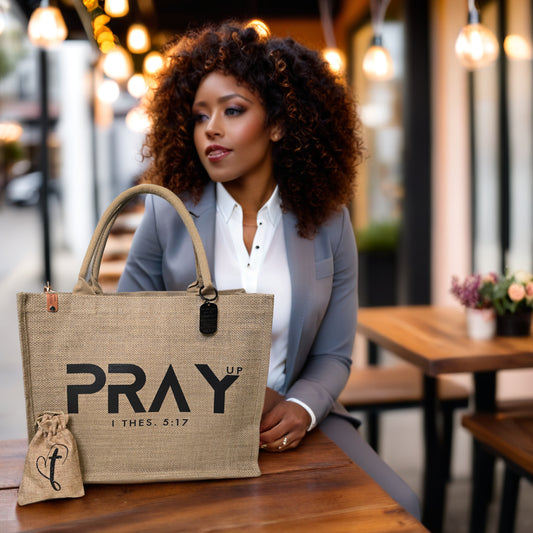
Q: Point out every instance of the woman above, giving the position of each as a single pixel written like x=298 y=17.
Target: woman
x=260 y=140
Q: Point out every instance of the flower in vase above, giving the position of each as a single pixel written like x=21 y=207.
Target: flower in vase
x=513 y=293
x=529 y=292
x=475 y=290
x=516 y=292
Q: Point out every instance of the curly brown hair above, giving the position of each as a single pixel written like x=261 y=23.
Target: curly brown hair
x=314 y=162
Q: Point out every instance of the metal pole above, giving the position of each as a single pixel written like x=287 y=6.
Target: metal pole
x=96 y=188
x=43 y=75
x=504 y=171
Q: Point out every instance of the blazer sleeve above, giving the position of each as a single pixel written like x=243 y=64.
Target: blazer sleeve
x=328 y=362
x=143 y=270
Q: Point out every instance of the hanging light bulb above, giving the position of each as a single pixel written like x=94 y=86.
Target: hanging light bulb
x=105 y=39
x=335 y=58
x=46 y=27
x=138 y=39
x=137 y=120
x=260 y=27
x=377 y=62
x=137 y=86
x=333 y=55
x=10 y=131
x=108 y=91
x=116 y=8
x=517 y=47
x=118 y=64
x=476 y=46
x=152 y=63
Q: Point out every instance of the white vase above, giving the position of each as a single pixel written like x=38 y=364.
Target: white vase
x=480 y=323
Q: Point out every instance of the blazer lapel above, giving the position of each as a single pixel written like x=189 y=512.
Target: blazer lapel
x=204 y=216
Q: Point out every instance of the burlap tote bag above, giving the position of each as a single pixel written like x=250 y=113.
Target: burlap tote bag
x=52 y=467
x=158 y=386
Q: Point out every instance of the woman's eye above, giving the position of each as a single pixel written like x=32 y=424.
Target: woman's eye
x=234 y=111
x=199 y=117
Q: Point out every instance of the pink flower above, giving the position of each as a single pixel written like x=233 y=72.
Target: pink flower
x=516 y=292
x=529 y=290
x=491 y=277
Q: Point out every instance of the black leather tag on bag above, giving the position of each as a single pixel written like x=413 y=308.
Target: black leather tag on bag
x=208 y=318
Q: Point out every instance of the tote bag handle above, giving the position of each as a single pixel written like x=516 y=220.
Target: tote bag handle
x=106 y=229
x=95 y=250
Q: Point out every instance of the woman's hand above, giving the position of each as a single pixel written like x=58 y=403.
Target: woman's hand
x=272 y=398
x=283 y=424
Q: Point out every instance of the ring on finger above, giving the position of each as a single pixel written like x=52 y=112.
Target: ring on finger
x=283 y=443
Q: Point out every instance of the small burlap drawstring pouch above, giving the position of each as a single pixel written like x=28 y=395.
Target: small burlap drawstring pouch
x=52 y=467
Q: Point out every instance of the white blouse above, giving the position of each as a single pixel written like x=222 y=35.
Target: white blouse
x=265 y=270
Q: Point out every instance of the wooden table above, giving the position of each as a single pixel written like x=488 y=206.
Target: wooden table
x=313 y=488
x=434 y=339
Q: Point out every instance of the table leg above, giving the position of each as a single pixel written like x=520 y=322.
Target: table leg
x=482 y=460
x=372 y=418
x=485 y=389
x=482 y=486
x=434 y=491
x=511 y=484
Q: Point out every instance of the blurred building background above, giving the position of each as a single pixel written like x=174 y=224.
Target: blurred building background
x=446 y=188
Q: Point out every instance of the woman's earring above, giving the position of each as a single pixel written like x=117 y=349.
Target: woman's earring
x=276 y=133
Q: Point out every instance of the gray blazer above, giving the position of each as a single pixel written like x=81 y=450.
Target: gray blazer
x=324 y=289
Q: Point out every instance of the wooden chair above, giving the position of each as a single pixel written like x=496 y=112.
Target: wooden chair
x=508 y=435
x=377 y=388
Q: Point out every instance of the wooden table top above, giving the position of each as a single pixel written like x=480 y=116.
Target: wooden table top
x=434 y=339
x=315 y=487
x=509 y=433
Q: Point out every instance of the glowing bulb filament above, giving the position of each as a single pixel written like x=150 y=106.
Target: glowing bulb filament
x=476 y=46
x=377 y=63
x=335 y=58
x=260 y=27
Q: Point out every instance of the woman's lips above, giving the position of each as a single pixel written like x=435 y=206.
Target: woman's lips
x=216 y=153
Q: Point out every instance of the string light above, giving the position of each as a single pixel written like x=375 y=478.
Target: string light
x=516 y=47
x=116 y=8
x=10 y=132
x=117 y=64
x=137 y=86
x=476 y=46
x=138 y=39
x=152 y=63
x=102 y=34
x=260 y=27
x=377 y=62
x=137 y=120
x=335 y=58
x=46 y=27
x=108 y=91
